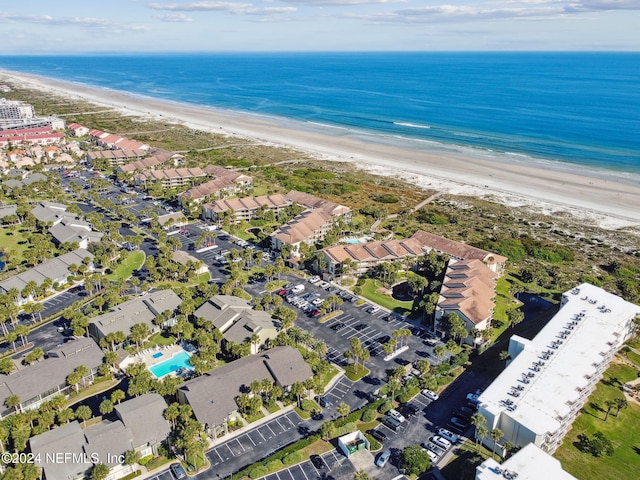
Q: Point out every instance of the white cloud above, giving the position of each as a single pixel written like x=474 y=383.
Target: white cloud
x=174 y=18
x=339 y=3
x=229 y=7
x=87 y=22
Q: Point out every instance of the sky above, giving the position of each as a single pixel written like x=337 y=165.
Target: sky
x=127 y=26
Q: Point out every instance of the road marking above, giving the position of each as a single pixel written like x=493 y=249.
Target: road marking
x=229 y=448
x=303 y=472
x=243 y=449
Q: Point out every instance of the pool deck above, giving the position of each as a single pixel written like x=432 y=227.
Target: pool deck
x=167 y=351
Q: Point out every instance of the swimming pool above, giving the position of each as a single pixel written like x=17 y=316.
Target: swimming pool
x=176 y=362
x=354 y=241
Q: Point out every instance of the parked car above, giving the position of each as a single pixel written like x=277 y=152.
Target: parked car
x=360 y=326
x=458 y=423
x=431 y=395
x=452 y=437
x=373 y=309
x=378 y=435
x=298 y=289
x=336 y=327
x=397 y=415
x=439 y=451
x=323 y=401
x=314 y=279
x=383 y=458
x=390 y=422
x=473 y=399
x=441 y=442
x=317 y=461
x=408 y=410
x=432 y=456
x=178 y=471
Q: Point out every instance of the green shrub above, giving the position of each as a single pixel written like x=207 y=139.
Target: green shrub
x=386 y=406
x=275 y=465
x=258 y=471
x=144 y=460
x=374 y=444
x=369 y=415
x=347 y=428
x=310 y=406
x=135 y=474
x=408 y=394
x=293 y=458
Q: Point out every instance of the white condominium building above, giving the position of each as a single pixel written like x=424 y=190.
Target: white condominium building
x=530 y=463
x=540 y=393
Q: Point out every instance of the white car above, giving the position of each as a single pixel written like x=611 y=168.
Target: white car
x=430 y=394
x=397 y=415
x=441 y=442
x=297 y=289
x=452 y=437
x=314 y=279
x=432 y=456
x=318 y=301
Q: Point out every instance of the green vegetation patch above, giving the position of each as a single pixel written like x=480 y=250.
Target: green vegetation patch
x=620 y=430
x=354 y=375
x=133 y=262
x=370 y=292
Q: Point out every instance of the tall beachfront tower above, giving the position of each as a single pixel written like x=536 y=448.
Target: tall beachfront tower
x=548 y=380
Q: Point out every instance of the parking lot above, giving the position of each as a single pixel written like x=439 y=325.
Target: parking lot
x=335 y=465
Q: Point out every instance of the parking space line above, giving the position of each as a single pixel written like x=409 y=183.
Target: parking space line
x=243 y=449
x=229 y=448
x=267 y=425
x=303 y=472
x=217 y=453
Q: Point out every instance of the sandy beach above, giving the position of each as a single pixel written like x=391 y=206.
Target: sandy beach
x=592 y=198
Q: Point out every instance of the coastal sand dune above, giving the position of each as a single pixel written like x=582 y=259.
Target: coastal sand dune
x=594 y=198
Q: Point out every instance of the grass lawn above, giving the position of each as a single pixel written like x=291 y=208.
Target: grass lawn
x=254 y=418
x=91 y=391
x=466 y=457
x=133 y=262
x=14 y=243
x=369 y=291
x=160 y=338
x=631 y=355
x=274 y=408
x=354 y=376
x=621 y=431
x=329 y=316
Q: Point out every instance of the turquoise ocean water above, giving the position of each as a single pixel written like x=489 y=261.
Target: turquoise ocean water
x=580 y=109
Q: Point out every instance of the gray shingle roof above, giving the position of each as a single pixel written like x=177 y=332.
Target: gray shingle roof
x=144 y=416
x=138 y=310
x=287 y=365
x=212 y=395
x=67 y=438
x=52 y=371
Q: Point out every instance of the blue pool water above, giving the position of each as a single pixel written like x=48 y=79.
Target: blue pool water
x=175 y=363
x=157 y=355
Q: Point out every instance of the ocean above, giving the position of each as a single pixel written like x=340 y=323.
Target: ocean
x=569 y=110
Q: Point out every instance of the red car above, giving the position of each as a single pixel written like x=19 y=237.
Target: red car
x=282 y=292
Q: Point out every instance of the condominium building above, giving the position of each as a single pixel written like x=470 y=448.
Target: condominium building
x=468 y=290
x=15 y=110
x=244 y=209
x=309 y=227
x=365 y=256
x=549 y=379
x=530 y=463
x=170 y=178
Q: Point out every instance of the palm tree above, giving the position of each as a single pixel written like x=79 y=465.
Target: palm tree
x=481 y=432
x=496 y=434
x=609 y=404
x=620 y=404
x=478 y=420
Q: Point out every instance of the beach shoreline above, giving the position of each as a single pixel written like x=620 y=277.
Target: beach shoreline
x=589 y=196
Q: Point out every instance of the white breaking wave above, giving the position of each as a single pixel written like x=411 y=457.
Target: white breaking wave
x=412 y=125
